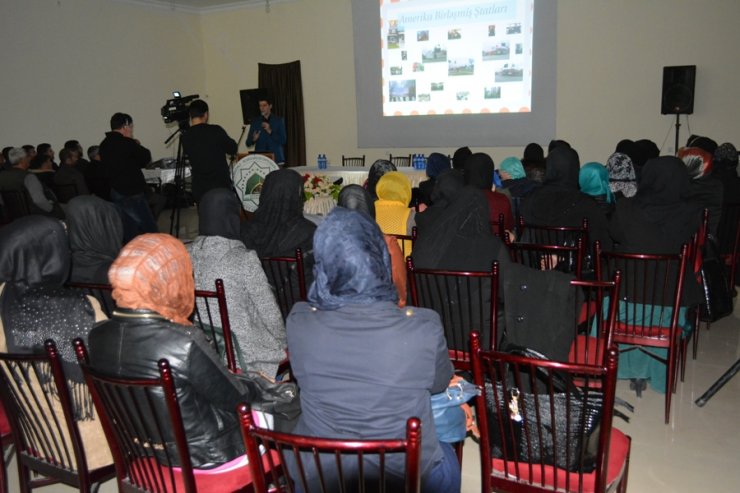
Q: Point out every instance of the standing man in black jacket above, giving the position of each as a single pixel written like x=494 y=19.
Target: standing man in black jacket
x=123 y=157
x=207 y=146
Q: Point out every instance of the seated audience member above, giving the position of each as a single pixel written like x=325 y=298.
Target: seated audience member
x=74 y=145
x=95 y=177
x=69 y=174
x=725 y=169
x=34 y=307
x=46 y=149
x=95 y=237
x=479 y=174
x=457 y=236
x=514 y=178
x=643 y=150
x=658 y=219
x=357 y=198
x=593 y=179
x=556 y=143
x=6 y=155
x=17 y=178
x=377 y=170
x=153 y=288
x=559 y=202
x=703 y=143
x=705 y=190
x=278 y=226
x=30 y=151
x=218 y=253
x=386 y=361
x=460 y=157
x=392 y=211
x=533 y=161
x=41 y=167
x=622 y=177
x=436 y=164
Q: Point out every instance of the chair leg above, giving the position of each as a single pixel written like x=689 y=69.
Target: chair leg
x=24 y=476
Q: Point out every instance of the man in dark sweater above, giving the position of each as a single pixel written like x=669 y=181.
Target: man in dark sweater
x=123 y=157
x=207 y=146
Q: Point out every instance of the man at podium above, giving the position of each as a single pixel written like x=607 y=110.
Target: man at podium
x=267 y=132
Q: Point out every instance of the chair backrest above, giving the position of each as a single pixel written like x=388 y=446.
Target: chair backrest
x=728 y=236
x=406 y=242
x=286 y=276
x=400 y=161
x=16 y=203
x=649 y=294
x=147 y=442
x=553 y=235
x=539 y=431
x=101 y=292
x=497 y=227
x=465 y=301
x=33 y=388
x=321 y=464
x=564 y=258
x=65 y=192
x=353 y=160
x=211 y=313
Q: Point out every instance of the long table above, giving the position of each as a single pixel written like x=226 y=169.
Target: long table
x=358 y=175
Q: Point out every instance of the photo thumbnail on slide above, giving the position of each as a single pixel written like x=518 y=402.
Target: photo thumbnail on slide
x=456 y=57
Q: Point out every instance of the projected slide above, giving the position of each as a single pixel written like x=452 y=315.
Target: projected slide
x=447 y=57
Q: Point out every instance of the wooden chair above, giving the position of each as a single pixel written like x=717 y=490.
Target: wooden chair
x=696 y=248
x=497 y=227
x=65 y=192
x=324 y=464
x=406 y=242
x=649 y=305
x=728 y=235
x=148 y=441
x=553 y=235
x=6 y=440
x=101 y=292
x=212 y=314
x=564 y=258
x=465 y=301
x=528 y=444
x=16 y=203
x=400 y=161
x=357 y=161
x=285 y=275
x=46 y=442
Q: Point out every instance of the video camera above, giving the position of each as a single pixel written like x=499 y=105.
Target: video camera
x=176 y=109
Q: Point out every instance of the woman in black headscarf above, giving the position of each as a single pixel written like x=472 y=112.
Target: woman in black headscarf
x=479 y=174
x=34 y=307
x=559 y=202
x=386 y=362
x=377 y=170
x=278 y=226
x=218 y=253
x=95 y=237
x=436 y=165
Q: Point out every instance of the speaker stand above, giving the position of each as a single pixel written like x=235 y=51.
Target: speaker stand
x=678 y=129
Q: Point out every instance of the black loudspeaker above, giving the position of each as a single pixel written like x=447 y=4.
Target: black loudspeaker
x=678 y=90
x=250 y=99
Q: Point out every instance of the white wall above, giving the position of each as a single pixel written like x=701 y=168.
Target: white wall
x=68 y=65
x=75 y=62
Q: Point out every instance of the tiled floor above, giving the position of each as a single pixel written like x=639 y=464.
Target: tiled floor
x=698 y=451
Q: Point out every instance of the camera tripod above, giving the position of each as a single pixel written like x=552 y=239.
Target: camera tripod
x=178 y=191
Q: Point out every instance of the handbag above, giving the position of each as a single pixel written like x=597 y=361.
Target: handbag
x=718 y=297
x=450 y=419
x=280 y=400
x=563 y=433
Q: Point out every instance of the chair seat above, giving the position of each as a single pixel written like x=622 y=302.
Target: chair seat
x=619 y=449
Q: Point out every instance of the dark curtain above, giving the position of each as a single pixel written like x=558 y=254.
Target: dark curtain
x=283 y=81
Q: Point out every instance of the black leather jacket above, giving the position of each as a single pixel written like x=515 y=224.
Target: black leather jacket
x=132 y=342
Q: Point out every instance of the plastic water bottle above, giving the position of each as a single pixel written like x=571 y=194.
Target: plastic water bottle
x=322 y=161
x=423 y=161
x=318 y=161
x=415 y=161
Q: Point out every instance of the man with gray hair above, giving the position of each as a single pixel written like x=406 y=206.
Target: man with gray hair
x=16 y=178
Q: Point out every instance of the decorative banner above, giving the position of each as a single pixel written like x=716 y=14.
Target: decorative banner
x=249 y=175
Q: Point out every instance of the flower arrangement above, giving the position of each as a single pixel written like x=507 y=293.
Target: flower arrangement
x=315 y=186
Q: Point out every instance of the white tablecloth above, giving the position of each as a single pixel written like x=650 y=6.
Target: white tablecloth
x=358 y=176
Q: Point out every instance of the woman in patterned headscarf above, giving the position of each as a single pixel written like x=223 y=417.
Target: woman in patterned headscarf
x=386 y=361
x=622 y=177
x=705 y=190
x=34 y=307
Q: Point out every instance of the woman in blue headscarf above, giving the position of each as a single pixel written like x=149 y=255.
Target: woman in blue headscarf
x=385 y=362
x=593 y=179
x=436 y=165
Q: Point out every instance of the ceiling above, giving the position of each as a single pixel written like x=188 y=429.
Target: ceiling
x=202 y=6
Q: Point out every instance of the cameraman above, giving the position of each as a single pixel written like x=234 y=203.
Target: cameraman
x=207 y=146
